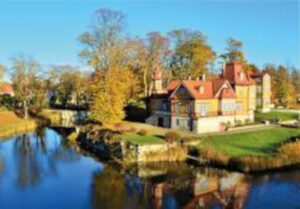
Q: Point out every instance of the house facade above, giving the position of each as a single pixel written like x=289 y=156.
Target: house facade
x=204 y=105
x=263 y=91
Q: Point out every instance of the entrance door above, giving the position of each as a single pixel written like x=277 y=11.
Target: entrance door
x=160 y=122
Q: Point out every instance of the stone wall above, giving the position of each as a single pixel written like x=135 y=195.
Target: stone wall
x=214 y=124
x=154 y=153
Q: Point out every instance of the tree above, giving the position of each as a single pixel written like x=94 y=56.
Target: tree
x=68 y=84
x=275 y=80
x=191 y=56
x=295 y=77
x=234 y=53
x=29 y=87
x=283 y=91
x=157 y=52
x=2 y=70
x=105 y=51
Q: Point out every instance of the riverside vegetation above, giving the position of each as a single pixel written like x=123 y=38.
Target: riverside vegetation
x=252 y=152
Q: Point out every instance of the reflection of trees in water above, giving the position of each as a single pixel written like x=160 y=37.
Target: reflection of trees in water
x=207 y=188
x=112 y=190
x=37 y=156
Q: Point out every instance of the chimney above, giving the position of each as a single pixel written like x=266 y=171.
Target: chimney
x=223 y=68
x=197 y=79
x=189 y=78
x=203 y=77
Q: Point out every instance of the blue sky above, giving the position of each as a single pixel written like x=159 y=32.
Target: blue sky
x=48 y=30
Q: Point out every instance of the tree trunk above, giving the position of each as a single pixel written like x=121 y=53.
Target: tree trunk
x=25 y=109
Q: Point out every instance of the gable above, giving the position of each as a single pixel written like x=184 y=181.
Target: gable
x=181 y=93
x=225 y=91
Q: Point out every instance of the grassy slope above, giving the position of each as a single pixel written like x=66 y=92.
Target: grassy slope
x=11 y=124
x=52 y=115
x=259 y=143
x=142 y=140
x=284 y=116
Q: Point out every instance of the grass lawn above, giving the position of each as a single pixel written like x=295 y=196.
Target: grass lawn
x=259 y=143
x=11 y=124
x=142 y=140
x=273 y=115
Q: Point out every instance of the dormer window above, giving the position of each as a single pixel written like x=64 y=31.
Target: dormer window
x=201 y=90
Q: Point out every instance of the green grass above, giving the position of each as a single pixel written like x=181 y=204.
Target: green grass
x=142 y=140
x=259 y=143
x=273 y=115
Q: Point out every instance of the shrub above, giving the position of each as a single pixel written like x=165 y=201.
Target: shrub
x=142 y=132
x=132 y=129
x=172 y=136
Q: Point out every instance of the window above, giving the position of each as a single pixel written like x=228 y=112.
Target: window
x=239 y=106
x=177 y=107
x=201 y=90
x=177 y=122
x=188 y=108
x=228 y=106
x=202 y=109
x=164 y=106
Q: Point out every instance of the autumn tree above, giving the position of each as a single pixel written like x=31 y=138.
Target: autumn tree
x=275 y=80
x=235 y=53
x=68 y=84
x=2 y=69
x=157 y=53
x=295 y=77
x=283 y=90
x=192 y=56
x=28 y=84
x=105 y=51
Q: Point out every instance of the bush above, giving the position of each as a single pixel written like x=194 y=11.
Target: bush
x=172 y=136
x=142 y=132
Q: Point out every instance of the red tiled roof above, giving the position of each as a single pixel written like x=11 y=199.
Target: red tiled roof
x=6 y=88
x=210 y=88
x=173 y=85
x=194 y=89
x=232 y=73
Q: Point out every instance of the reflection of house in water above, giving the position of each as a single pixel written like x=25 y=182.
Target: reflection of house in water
x=176 y=185
x=205 y=191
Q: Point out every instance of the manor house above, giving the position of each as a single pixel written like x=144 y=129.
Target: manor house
x=209 y=105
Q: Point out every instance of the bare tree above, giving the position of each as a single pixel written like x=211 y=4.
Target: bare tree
x=27 y=82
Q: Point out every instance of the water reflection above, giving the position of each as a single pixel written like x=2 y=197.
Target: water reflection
x=37 y=156
x=42 y=170
x=175 y=186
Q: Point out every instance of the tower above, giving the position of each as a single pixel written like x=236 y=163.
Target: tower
x=157 y=81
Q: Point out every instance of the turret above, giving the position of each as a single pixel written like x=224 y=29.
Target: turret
x=157 y=81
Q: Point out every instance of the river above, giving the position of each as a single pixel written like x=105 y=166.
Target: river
x=42 y=170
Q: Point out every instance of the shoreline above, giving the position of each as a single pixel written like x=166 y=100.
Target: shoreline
x=18 y=129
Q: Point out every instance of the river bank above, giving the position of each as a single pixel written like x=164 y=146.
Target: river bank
x=253 y=151
x=11 y=124
x=38 y=165
x=246 y=150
